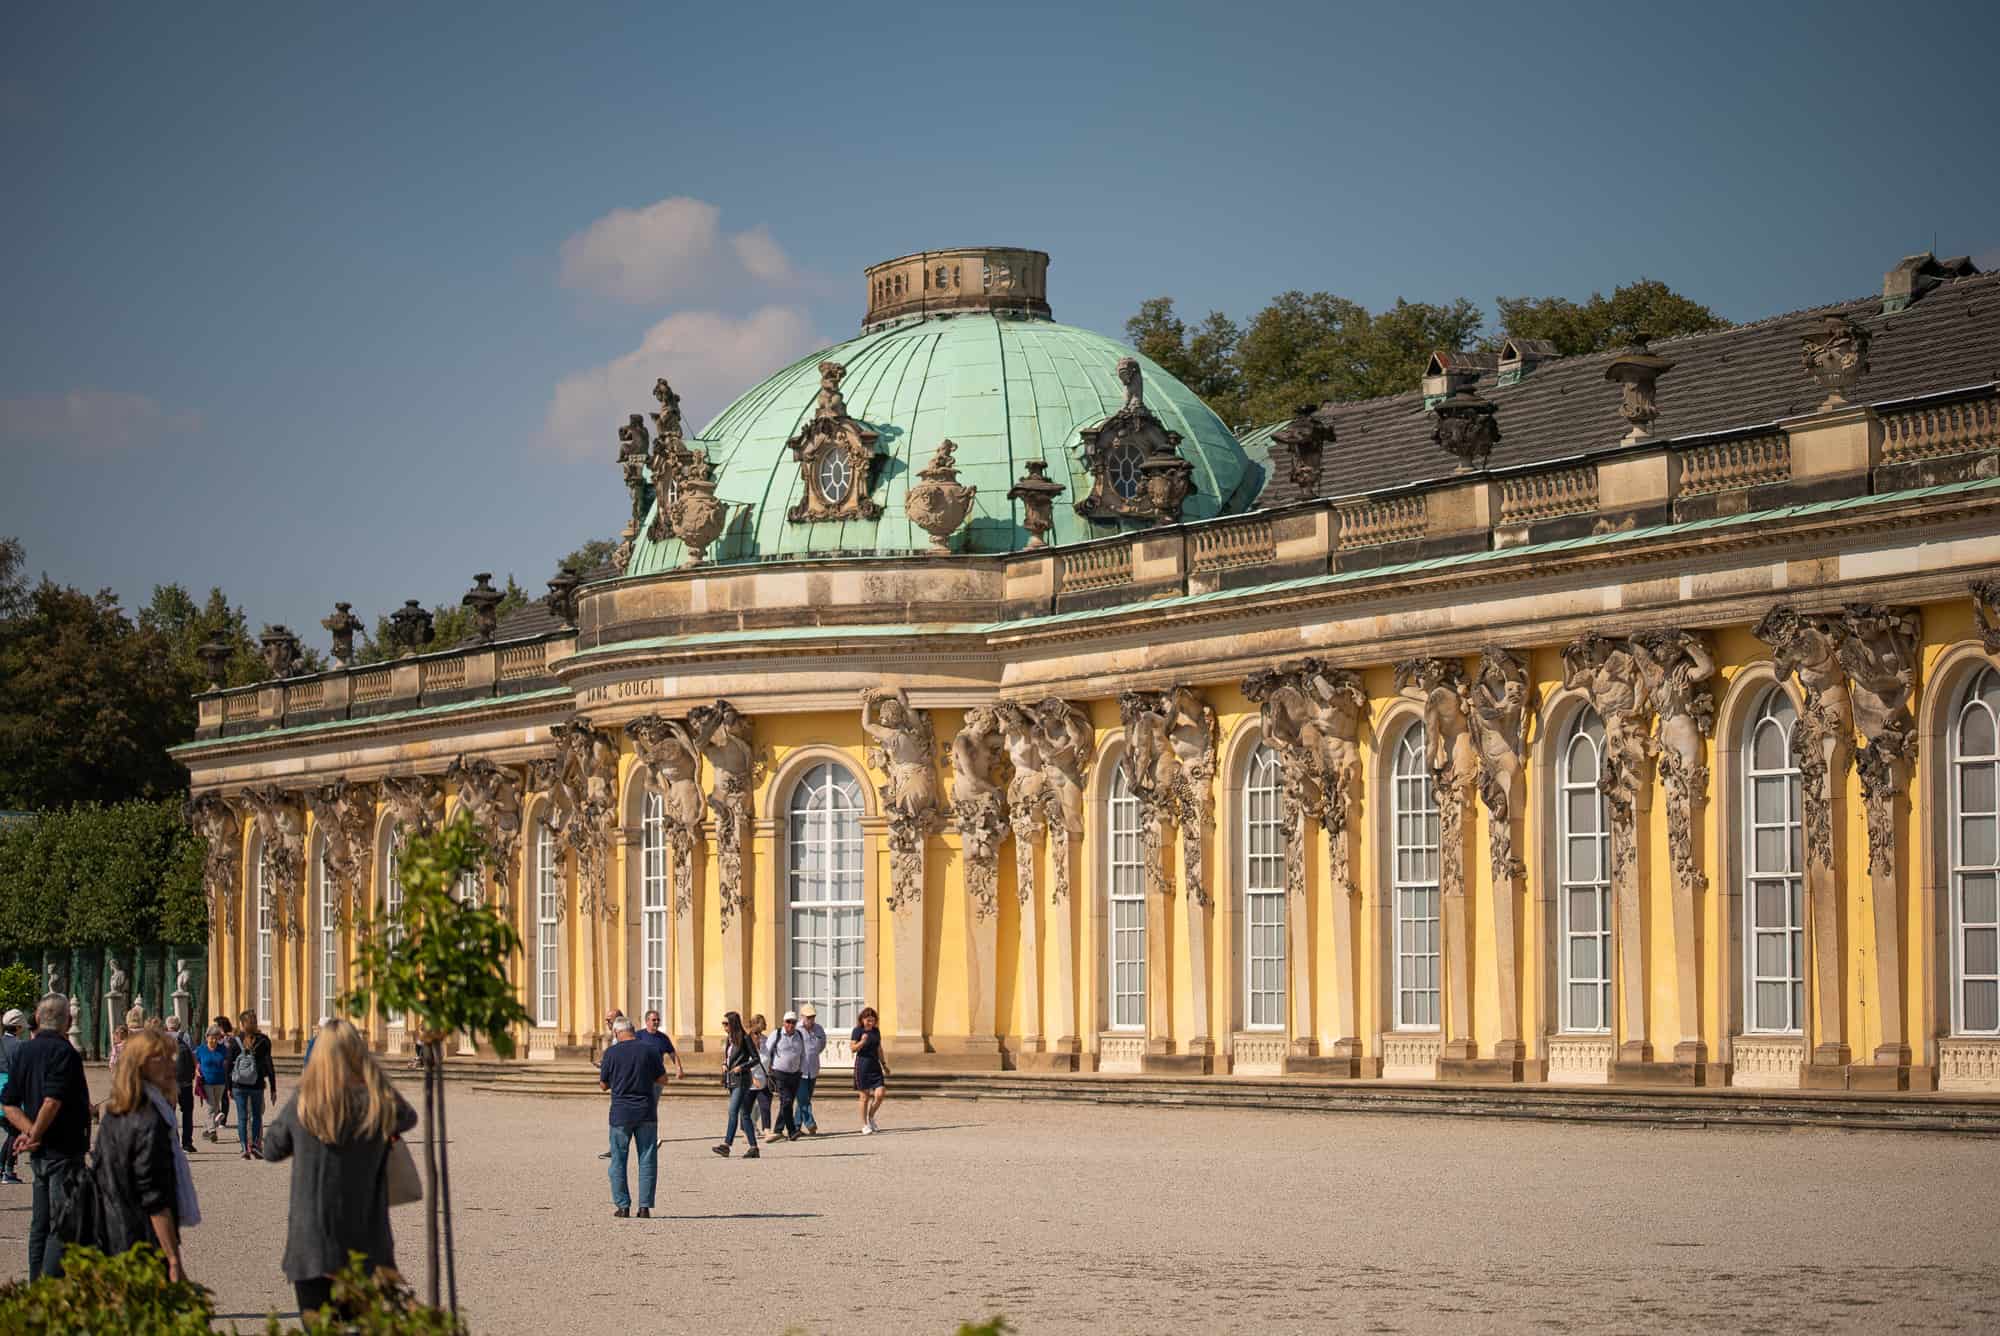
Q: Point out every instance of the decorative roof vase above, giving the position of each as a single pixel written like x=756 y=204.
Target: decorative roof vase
x=1639 y=372
x=281 y=650
x=939 y=503
x=484 y=600
x=1468 y=427
x=1037 y=493
x=1836 y=357
x=697 y=515
x=411 y=628
x=341 y=624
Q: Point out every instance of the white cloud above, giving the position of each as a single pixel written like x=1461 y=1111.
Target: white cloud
x=672 y=248
x=91 y=420
x=710 y=358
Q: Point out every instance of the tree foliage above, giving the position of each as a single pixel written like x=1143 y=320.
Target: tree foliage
x=20 y=987
x=1306 y=347
x=123 y=875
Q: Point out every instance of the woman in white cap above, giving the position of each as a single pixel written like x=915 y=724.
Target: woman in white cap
x=10 y=1039
x=788 y=1061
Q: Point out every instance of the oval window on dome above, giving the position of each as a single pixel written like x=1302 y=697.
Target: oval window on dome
x=1121 y=468
x=835 y=477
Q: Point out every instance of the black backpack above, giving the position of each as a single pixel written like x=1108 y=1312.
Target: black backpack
x=78 y=1215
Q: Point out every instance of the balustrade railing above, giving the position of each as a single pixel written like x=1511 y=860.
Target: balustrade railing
x=1936 y=430
x=1220 y=547
x=371 y=684
x=304 y=696
x=1097 y=567
x=1373 y=523
x=443 y=675
x=1527 y=498
x=1731 y=466
x=519 y=661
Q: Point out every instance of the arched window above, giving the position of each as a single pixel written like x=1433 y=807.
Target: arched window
x=1127 y=895
x=266 y=924
x=653 y=903
x=548 y=927
x=472 y=886
x=825 y=890
x=392 y=895
x=1774 y=944
x=1263 y=894
x=326 y=896
x=1414 y=815
x=1583 y=853
x=1975 y=858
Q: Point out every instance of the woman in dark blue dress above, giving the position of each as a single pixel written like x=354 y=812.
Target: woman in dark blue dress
x=871 y=1071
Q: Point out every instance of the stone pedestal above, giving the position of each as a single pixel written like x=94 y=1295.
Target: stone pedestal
x=982 y=952
x=1198 y=1042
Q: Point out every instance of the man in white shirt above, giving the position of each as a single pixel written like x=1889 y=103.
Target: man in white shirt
x=815 y=1038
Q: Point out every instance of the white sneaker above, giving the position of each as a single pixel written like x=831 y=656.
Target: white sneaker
x=872 y=1127
x=866 y=1128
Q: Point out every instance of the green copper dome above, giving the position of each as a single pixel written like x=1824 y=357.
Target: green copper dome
x=1007 y=387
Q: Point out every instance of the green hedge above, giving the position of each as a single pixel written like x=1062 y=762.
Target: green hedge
x=125 y=875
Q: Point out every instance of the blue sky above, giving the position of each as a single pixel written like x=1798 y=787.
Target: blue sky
x=346 y=302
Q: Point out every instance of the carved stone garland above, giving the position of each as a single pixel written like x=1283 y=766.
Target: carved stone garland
x=491 y=795
x=1677 y=667
x=672 y=754
x=344 y=812
x=416 y=802
x=281 y=833
x=723 y=735
x=836 y=456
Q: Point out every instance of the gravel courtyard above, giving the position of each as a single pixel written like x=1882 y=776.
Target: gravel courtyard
x=1068 y=1218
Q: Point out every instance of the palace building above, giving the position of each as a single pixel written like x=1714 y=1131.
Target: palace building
x=1630 y=717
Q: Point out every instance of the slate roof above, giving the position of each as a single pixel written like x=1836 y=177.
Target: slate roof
x=1731 y=379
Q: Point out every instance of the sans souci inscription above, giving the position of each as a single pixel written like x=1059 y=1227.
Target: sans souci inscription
x=632 y=688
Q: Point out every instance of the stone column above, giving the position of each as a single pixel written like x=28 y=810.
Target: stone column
x=1500 y=699
x=1449 y=792
x=1159 y=952
x=982 y=954
x=1029 y=900
x=688 y=875
x=1061 y=929
x=1298 y=929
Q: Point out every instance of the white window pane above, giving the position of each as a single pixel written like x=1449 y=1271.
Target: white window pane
x=1975 y=732
x=1981 y=956
x=1982 y=1005
x=1978 y=898
x=1976 y=841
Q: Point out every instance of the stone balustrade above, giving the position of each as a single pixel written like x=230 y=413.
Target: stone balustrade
x=1100 y=566
x=1934 y=431
x=371 y=684
x=1374 y=523
x=1735 y=465
x=1527 y=498
x=1228 y=544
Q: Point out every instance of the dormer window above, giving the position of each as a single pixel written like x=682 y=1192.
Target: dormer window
x=835 y=477
x=1121 y=467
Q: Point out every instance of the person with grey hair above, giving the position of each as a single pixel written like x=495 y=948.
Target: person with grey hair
x=47 y=1100
x=184 y=1070
x=632 y=1073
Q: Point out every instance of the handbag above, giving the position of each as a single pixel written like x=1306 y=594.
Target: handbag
x=401 y=1171
x=78 y=1215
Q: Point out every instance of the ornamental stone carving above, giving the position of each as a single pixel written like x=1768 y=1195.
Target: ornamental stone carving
x=1467 y=427
x=215 y=654
x=1027 y=791
x=561 y=598
x=1135 y=463
x=668 y=462
x=1037 y=493
x=1451 y=756
x=723 y=735
x=1677 y=667
x=634 y=445
x=979 y=804
x=1307 y=437
x=491 y=795
x=1807 y=647
x=587 y=760
x=281 y=833
x=280 y=651
x=220 y=828
x=671 y=752
x=484 y=600
x=1049 y=744
x=1638 y=372
x=697 y=516
x=344 y=815
x=836 y=456
x=940 y=502
x=341 y=624
x=1880 y=655
x=1169 y=765
x=415 y=801
x=1986 y=611
x=902 y=746
x=1836 y=356
x=411 y=627
x=1500 y=700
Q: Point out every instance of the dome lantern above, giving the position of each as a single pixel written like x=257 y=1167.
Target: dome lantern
x=966 y=278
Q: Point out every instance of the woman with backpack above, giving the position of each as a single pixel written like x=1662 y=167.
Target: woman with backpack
x=142 y=1177
x=249 y=1075
x=338 y=1129
x=739 y=1059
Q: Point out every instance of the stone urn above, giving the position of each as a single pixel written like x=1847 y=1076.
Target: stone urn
x=1037 y=493
x=697 y=514
x=1836 y=357
x=1168 y=481
x=940 y=503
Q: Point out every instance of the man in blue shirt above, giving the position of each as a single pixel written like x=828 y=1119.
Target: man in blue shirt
x=659 y=1039
x=633 y=1073
x=47 y=1101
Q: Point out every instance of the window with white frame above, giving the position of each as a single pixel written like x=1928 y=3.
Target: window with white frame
x=548 y=927
x=653 y=903
x=1774 y=944
x=472 y=886
x=1414 y=817
x=329 y=934
x=825 y=890
x=1975 y=858
x=1263 y=893
x=1583 y=852
x=1126 y=893
x=266 y=923
x=392 y=895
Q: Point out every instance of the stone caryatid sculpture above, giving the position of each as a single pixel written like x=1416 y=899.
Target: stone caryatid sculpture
x=902 y=747
x=281 y=831
x=1027 y=791
x=1612 y=678
x=1037 y=493
x=1676 y=667
x=634 y=445
x=588 y=760
x=1170 y=761
x=221 y=830
x=341 y=624
x=1451 y=755
x=723 y=735
x=979 y=804
x=670 y=751
x=416 y=802
x=1638 y=370
x=1836 y=356
x=1500 y=700
x=1881 y=656
x=491 y=795
x=1307 y=437
x=836 y=455
x=1149 y=767
x=939 y=502
x=1193 y=737
x=344 y=815
x=1986 y=612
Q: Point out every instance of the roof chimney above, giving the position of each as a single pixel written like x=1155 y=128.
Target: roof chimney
x=1918 y=274
x=1450 y=371
x=1520 y=356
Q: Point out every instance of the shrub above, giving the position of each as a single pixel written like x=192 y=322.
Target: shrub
x=128 y=1292
x=19 y=987
x=383 y=1304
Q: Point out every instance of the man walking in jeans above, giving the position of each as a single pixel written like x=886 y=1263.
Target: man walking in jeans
x=633 y=1073
x=809 y=1073
x=47 y=1101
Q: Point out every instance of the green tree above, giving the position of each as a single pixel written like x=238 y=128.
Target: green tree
x=1647 y=307
x=128 y=874
x=589 y=558
x=1307 y=347
x=441 y=962
x=20 y=988
x=1203 y=359
x=173 y=614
